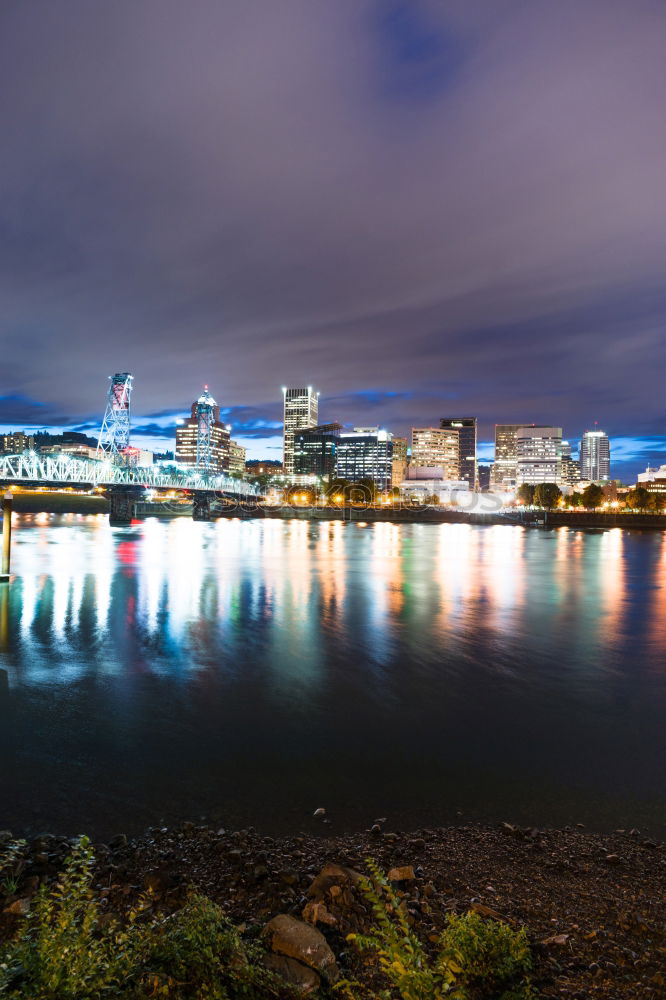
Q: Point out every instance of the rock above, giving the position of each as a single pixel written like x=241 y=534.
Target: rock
x=331 y=875
x=19 y=908
x=556 y=939
x=314 y=913
x=613 y=859
x=303 y=979
x=295 y=939
x=288 y=876
x=487 y=911
x=403 y=874
x=319 y=813
x=119 y=841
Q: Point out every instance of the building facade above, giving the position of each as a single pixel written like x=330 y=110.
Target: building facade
x=263 y=467
x=315 y=452
x=595 y=456
x=301 y=410
x=203 y=440
x=237 y=454
x=506 y=456
x=16 y=442
x=366 y=453
x=399 y=463
x=538 y=455
x=436 y=446
x=466 y=430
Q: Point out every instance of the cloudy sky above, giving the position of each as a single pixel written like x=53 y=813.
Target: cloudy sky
x=421 y=207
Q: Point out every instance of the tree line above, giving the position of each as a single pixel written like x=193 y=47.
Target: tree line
x=549 y=495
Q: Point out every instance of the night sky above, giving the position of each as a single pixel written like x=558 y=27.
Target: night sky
x=420 y=207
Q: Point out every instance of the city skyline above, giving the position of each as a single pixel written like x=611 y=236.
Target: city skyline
x=428 y=208
x=161 y=436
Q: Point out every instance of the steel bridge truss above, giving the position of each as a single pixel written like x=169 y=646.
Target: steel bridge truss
x=56 y=470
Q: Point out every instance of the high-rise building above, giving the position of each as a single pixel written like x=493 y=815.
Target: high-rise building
x=366 y=453
x=595 y=456
x=436 y=447
x=538 y=455
x=16 y=442
x=301 y=409
x=504 y=466
x=484 y=473
x=399 y=462
x=466 y=429
x=315 y=452
x=237 y=454
x=203 y=440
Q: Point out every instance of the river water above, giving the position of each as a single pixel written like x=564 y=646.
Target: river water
x=249 y=672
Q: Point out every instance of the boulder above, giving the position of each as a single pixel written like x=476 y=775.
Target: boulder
x=19 y=908
x=295 y=939
x=404 y=874
x=331 y=875
x=303 y=979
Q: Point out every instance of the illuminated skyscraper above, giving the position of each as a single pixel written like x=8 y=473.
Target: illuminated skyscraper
x=399 y=461
x=595 y=456
x=466 y=429
x=366 y=453
x=301 y=409
x=203 y=440
x=436 y=447
x=505 y=464
x=538 y=455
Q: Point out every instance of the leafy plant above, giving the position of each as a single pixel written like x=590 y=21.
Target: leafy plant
x=12 y=863
x=61 y=953
x=68 y=950
x=197 y=952
x=487 y=957
x=475 y=958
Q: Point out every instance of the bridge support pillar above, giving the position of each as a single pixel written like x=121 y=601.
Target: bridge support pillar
x=201 y=506
x=122 y=505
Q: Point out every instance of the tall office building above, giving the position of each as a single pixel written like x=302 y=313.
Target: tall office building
x=315 y=452
x=16 y=442
x=436 y=447
x=399 y=461
x=237 y=455
x=366 y=453
x=505 y=464
x=538 y=455
x=203 y=440
x=595 y=456
x=301 y=409
x=466 y=429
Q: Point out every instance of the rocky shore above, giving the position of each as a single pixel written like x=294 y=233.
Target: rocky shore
x=594 y=905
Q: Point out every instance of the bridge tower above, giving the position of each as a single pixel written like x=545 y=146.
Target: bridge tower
x=205 y=416
x=114 y=435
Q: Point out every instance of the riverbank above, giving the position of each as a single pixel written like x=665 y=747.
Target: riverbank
x=74 y=503
x=38 y=502
x=438 y=515
x=594 y=906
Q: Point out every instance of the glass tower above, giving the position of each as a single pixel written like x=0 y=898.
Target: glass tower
x=301 y=409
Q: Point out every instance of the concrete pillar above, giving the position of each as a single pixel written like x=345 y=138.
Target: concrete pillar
x=201 y=506
x=6 y=536
x=122 y=506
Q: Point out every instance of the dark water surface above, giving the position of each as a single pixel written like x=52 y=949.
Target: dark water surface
x=250 y=672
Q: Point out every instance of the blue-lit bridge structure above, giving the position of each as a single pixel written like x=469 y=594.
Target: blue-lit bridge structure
x=125 y=484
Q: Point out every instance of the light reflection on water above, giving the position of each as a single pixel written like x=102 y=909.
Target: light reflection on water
x=248 y=669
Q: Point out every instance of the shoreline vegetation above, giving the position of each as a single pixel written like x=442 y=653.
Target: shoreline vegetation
x=500 y=910
x=78 y=503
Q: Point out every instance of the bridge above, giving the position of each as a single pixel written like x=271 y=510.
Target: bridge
x=124 y=483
